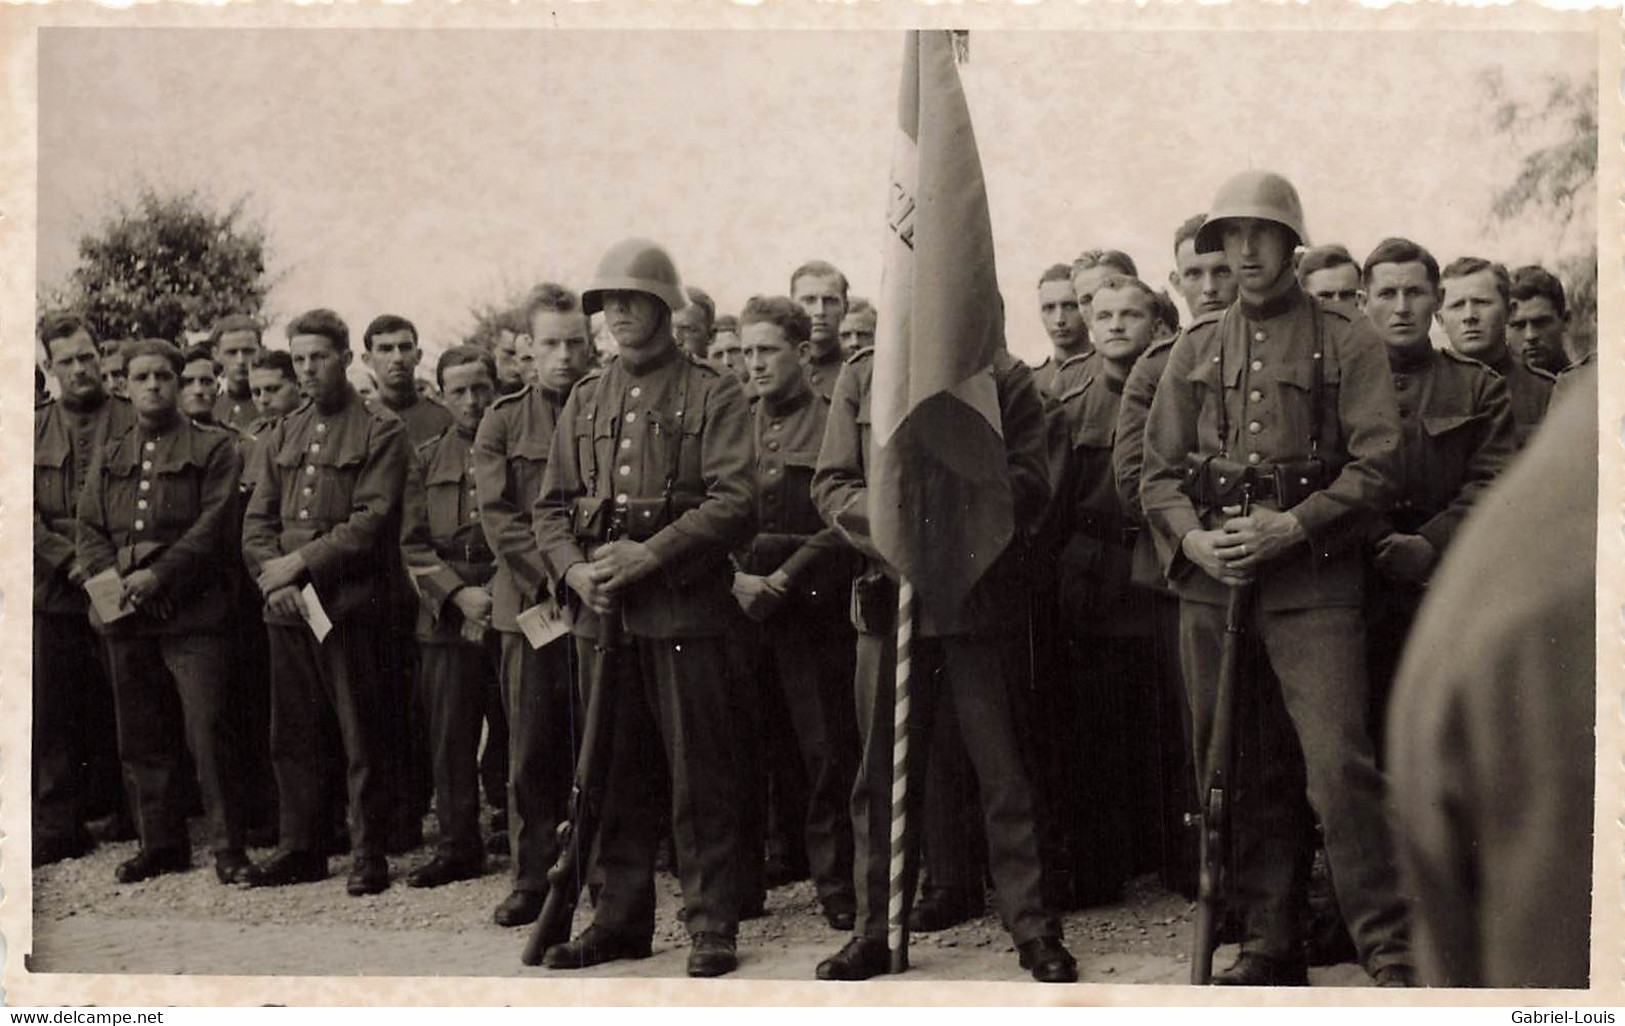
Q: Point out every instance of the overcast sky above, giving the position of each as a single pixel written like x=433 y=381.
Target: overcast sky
x=420 y=172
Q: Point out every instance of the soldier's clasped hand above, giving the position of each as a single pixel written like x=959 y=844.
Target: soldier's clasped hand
x=627 y=563
x=1262 y=535
x=280 y=572
x=286 y=602
x=1405 y=557
x=588 y=580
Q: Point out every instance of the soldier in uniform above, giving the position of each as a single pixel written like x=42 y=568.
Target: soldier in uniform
x=726 y=347
x=857 y=329
x=1456 y=439
x=392 y=353
x=235 y=342
x=1094 y=266
x=1292 y=404
x=794 y=579
x=1331 y=275
x=1540 y=319
x=821 y=290
x=511 y=453
x=273 y=386
x=505 y=350
x=114 y=381
x=1063 y=322
x=200 y=386
x=695 y=324
x=326 y=513
x=75 y=771
x=451 y=566
x=966 y=648
x=1475 y=297
x=157 y=510
x=661 y=444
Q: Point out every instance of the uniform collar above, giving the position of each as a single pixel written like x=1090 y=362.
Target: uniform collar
x=403 y=407
x=348 y=396
x=1411 y=358
x=1502 y=366
x=834 y=359
x=788 y=405
x=90 y=405
x=160 y=430
x=1274 y=306
x=556 y=395
x=660 y=362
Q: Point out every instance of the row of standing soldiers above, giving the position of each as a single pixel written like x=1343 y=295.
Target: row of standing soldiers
x=729 y=540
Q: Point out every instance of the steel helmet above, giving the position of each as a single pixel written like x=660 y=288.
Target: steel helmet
x=1264 y=195
x=635 y=265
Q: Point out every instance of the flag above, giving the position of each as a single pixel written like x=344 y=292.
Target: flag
x=940 y=503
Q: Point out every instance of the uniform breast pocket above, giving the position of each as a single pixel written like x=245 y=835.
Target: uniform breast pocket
x=50 y=479
x=595 y=451
x=333 y=499
x=121 y=493
x=178 y=492
x=1451 y=439
x=1297 y=394
x=1204 y=382
x=526 y=465
x=445 y=491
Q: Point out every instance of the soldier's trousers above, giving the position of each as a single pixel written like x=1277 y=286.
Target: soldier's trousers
x=539 y=698
x=1391 y=608
x=457 y=682
x=972 y=679
x=149 y=673
x=311 y=686
x=69 y=685
x=672 y=701
x=1312 y=740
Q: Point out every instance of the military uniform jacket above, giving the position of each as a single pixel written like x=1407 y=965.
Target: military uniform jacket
x=1530 y=392
x=164 y=500
x=424 y=418
x=328 y=486
x=1128 y=456
x=66 y=443
x=1456 y=438
x=1099 y=536
x=840 y=491
x=822 y=375
x=1269 y=357
x=790 y=535
x=235 y=412
x=442 y=541
x=510 y=455
x=623 y=433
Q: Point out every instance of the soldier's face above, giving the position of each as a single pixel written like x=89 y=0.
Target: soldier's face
x=506 y=354
x=1084 y=284
x=114 y=380
x=1124 y=322
x=199 y=388
x=75 y=366
x=468 y=390
x=153 y=386
x=1058 y=306
x=1258 y=252
x=236 y=352
x=1338 y=288
x=1400 y=302
x=1537 y=326
x=633 y=318
x=1474 y=315
x=394 y=359
x=274 y=394
x=1203 y=279
x=773 y=363
x=821 y=298
x=320 y=365
x=561 y=348
x=727 y=354
x=688 y=327
x=857 y=331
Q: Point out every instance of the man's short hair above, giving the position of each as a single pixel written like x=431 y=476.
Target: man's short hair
x=274 y=359
x=458 y=356
x=1187 y=230
x=1395 y=250
x=708 y=306
x=819 y=269
x=548 y=297
x=385 y=324
x=324 y=322
x=1321 y=258
x=231 y=323
x=780 y=310
x=62 y=324
x=1167 y=310
x=859 y=304
x=1055 y=272
x=1129 y=281
x=138 y=347
x=728 y=323
x=1113 y=258
x=200 y=351
x=1532 y=281
x=1461 y=267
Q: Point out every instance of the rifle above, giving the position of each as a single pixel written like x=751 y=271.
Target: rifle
x=584 y=812
x=1216 y=796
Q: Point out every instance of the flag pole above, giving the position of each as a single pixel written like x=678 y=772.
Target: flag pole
x=896 y=920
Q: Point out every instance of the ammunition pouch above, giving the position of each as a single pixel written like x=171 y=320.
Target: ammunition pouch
x=874 y=603
x=1213 y=482
x=1295 y=481
x=590 y=519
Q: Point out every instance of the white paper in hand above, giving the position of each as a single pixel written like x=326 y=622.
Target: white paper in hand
x=314 y=614
x=543 y=623
x=105 y=590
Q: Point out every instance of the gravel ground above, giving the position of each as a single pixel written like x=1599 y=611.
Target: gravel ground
x=188 y=923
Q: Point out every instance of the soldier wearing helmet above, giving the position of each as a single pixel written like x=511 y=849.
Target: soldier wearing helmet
x=1292 y=403
x=647 y=491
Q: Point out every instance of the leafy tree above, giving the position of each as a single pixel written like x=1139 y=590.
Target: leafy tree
x=166 y=264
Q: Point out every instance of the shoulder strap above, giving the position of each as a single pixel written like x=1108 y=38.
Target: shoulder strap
x=1317 y=396
x=1224 y=400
